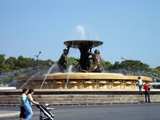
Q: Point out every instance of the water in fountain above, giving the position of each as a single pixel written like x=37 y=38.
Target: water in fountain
x=135 y=73
x=15 y=73
x=9 y=78
x=69 y=71
x=41 y=72
x=82 y=32
x=27 y=81
x=12 y=84
x=50 y=69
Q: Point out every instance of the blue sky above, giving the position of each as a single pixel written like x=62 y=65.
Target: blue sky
x=128 y=28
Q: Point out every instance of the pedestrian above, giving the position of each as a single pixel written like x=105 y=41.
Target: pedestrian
x=28 y=104
x=23 y=99
x=140 y=83
x=146 y=87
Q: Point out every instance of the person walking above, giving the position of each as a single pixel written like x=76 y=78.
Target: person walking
x=23 y=99
x=28 y=104
x=140 y=83
x=146 y=87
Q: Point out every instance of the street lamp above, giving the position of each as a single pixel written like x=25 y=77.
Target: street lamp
x=37 y=61
x=125 y=64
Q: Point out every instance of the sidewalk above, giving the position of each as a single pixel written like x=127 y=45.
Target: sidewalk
x=8 y=113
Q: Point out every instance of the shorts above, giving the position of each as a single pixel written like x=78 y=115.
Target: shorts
x=23 y=113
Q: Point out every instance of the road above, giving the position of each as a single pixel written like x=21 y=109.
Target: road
x=108 y=112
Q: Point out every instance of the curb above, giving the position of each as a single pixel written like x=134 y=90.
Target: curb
x=79 y=104
x=10 y=115
x=112 y=103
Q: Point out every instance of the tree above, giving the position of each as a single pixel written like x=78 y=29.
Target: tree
x=72 y=61
x=2 y=65
x=116 y=65
x=157 y=69
x=22 y=62
x=11 y=62
x=134 y=65
x=107 y=65
x=2 y=58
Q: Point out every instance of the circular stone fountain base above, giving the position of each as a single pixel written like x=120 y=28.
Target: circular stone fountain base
x=83 y=81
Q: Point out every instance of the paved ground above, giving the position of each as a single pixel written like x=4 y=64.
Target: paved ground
x=147 y=111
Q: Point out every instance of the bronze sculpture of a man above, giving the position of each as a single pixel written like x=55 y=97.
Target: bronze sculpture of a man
x=62 y=62
x=97 y=63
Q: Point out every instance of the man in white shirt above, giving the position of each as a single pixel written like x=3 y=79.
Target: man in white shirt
x=140 y=83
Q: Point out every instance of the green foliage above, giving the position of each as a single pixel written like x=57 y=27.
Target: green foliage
x=4 y=68
x=156 y=73
x=132 y=65
x=11 y=63
x=116 y=65
x=2 y=58
x=72 y=61
x=23 y=62
x=135 y=67
x=12 y=68
x=107 y=65
x=157 y=69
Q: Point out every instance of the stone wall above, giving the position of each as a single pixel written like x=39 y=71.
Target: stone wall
x=77 y=98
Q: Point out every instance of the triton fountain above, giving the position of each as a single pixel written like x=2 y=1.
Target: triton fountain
x=88 y=86
x=88 y=77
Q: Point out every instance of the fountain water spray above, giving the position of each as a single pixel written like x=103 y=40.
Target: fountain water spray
x=12 y=84
x=84 y=32
x=69 y=71
x=27 y=81
x=47 y=74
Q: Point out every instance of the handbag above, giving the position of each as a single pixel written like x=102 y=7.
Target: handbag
x=149 y=89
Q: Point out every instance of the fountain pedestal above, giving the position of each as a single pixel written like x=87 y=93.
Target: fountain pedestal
x=84 y=81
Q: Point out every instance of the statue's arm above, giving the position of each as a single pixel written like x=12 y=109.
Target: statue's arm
x=90 y=53
x=68 y=47
x=66 y=61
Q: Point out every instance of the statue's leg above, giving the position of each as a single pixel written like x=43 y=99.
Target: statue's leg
x=64 y=67
x=93 y=69
x=82 y=70
x=100 y=68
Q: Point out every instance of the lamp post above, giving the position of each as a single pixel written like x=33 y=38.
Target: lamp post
x=37 y=61
x=125 y=64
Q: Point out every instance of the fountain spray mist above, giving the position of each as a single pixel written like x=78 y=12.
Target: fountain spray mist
x=47 y=74
x=69 y=71
x=28 y=81
x=83 y=32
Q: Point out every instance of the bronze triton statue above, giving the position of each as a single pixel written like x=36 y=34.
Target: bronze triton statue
x=62 y=62
x=97 y=63
x=84 y=62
